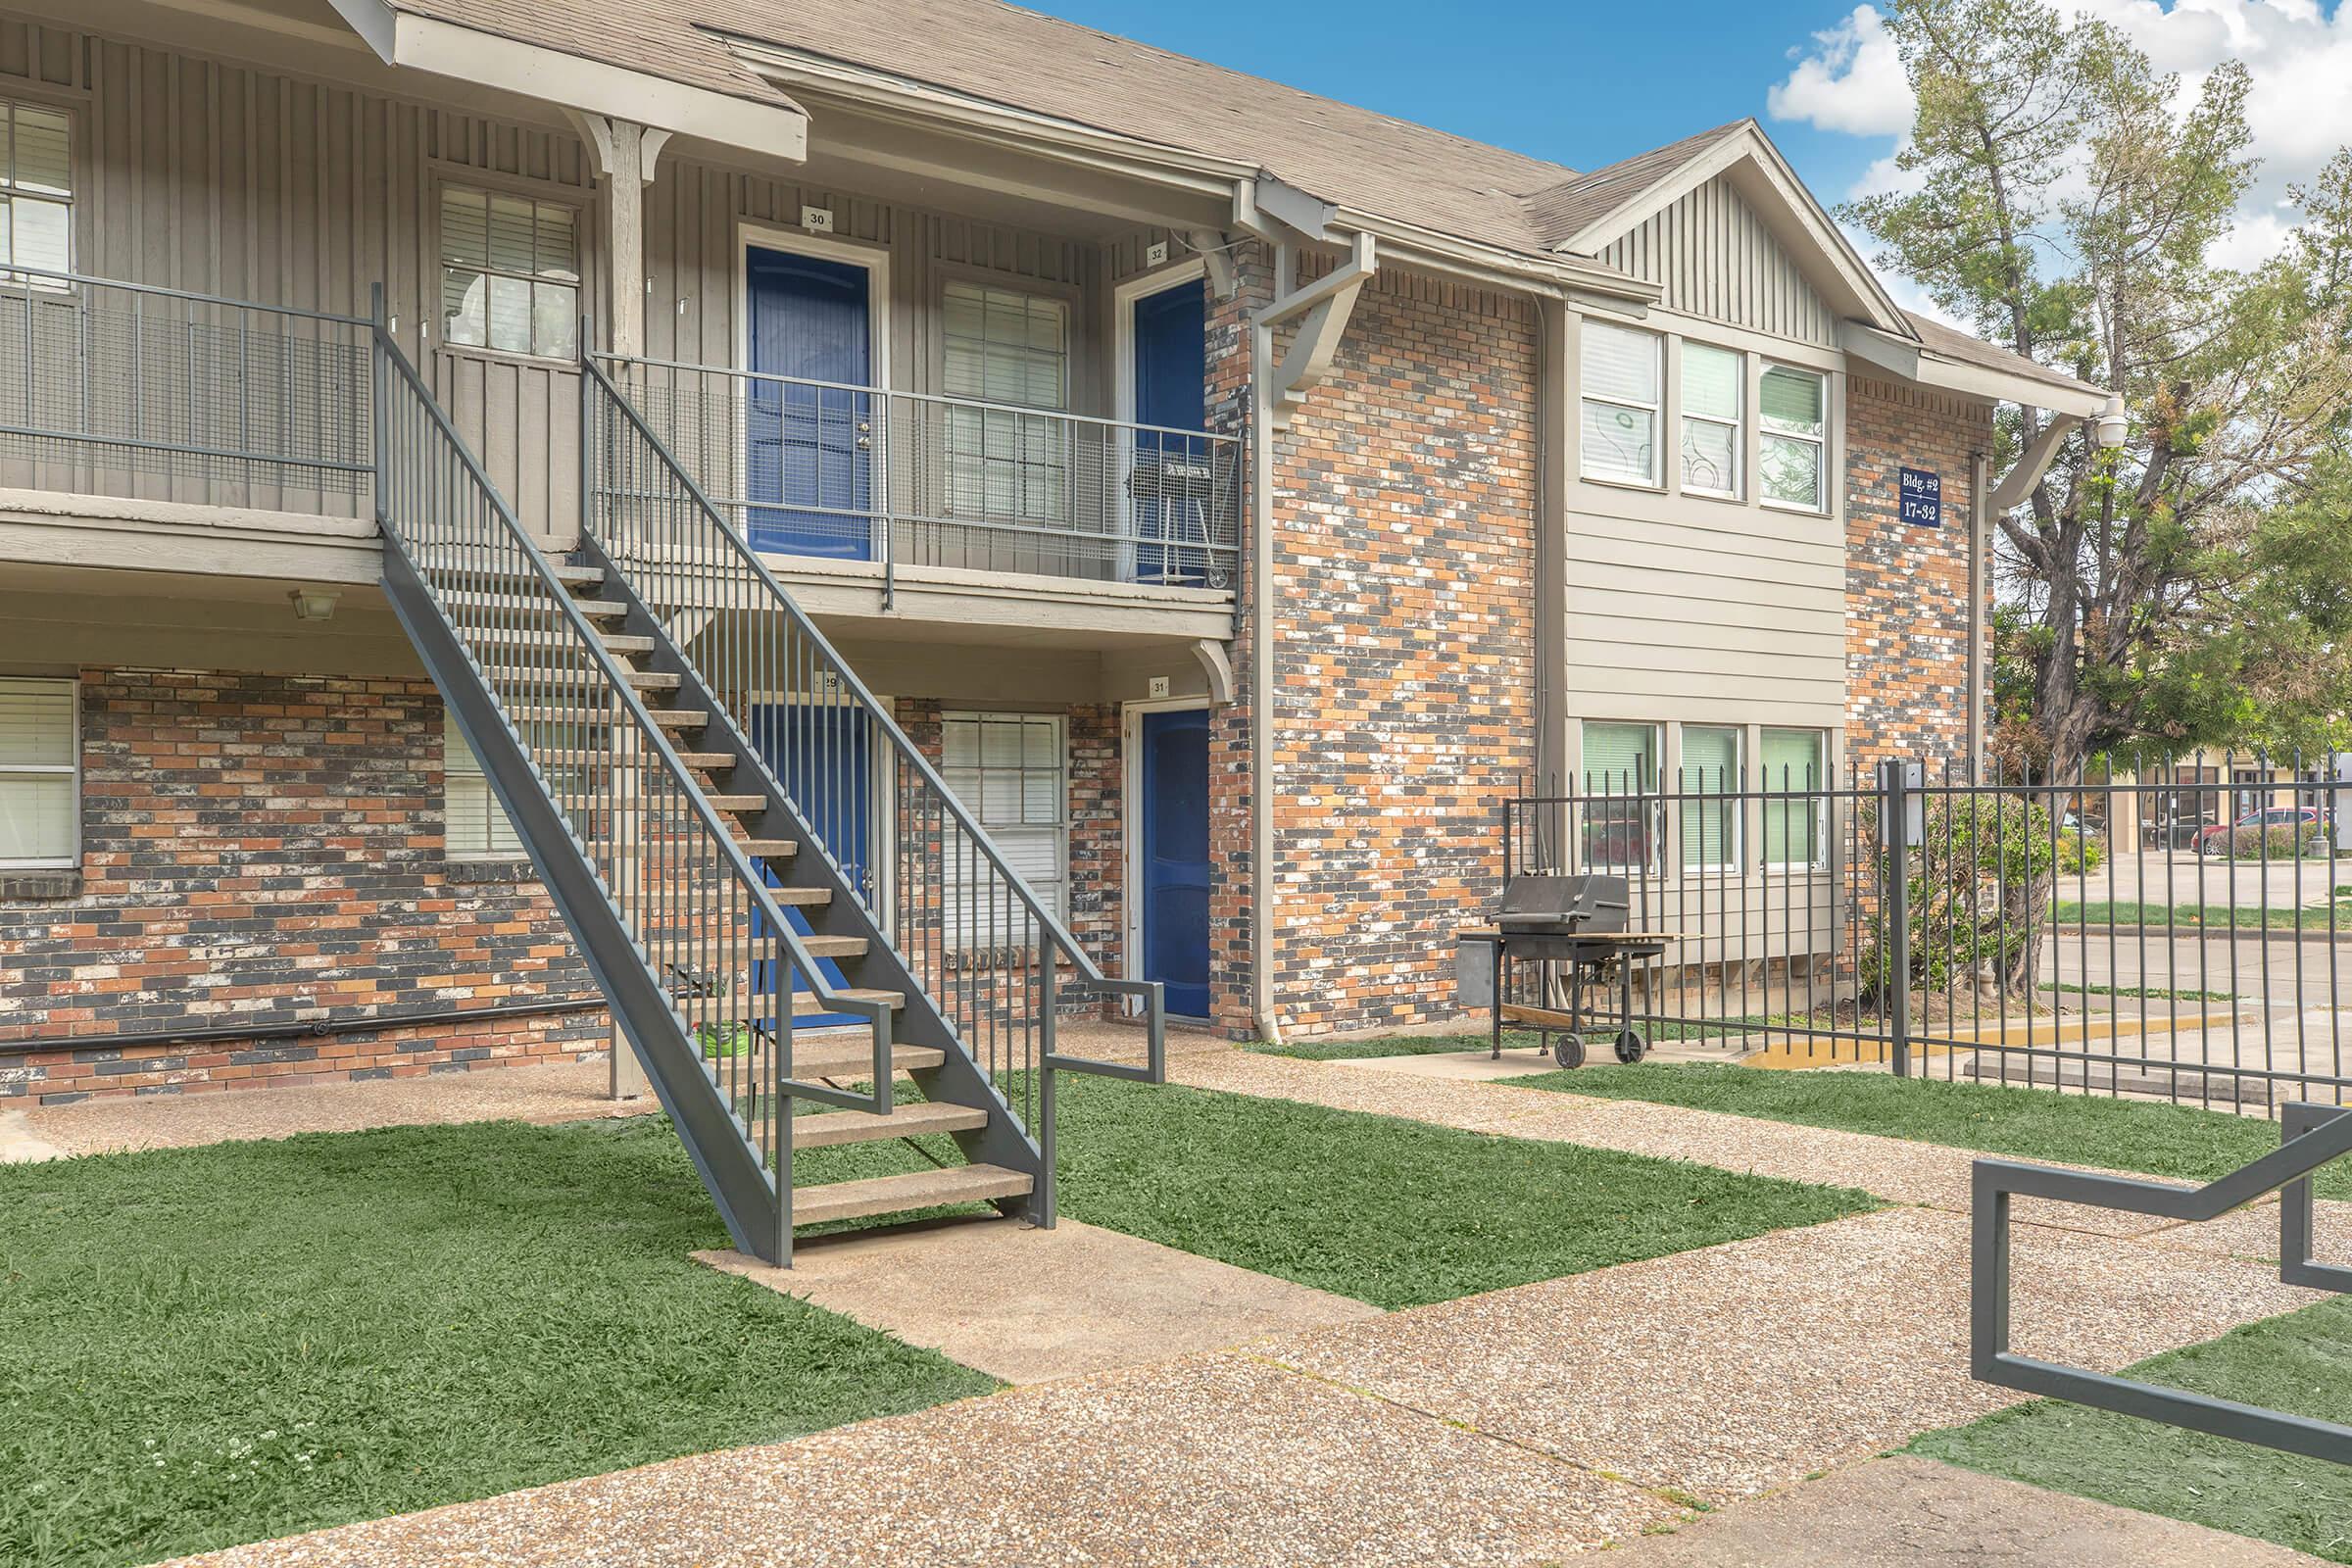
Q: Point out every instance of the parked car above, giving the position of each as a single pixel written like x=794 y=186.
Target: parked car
x=2313 y=822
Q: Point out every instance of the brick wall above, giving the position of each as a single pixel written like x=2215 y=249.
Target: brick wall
x=1906 y=587
x=268 y=850
x=1403 y=692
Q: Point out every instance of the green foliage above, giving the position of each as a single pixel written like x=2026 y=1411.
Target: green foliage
x=1389 y=1211
x=2063 y=196
x=211 y=1345
x=1975 y=886
x=2283 y=842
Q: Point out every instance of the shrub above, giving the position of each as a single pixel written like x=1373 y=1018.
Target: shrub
x=2284 y=841
x=1977 y=887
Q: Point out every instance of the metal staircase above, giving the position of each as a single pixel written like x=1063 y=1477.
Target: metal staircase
x=690 y=863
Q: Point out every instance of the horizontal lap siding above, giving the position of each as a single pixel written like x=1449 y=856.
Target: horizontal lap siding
x=210 y=176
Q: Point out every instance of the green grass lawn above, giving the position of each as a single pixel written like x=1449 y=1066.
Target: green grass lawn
x=211 y=1346
x=2194 y=915
x=2179 y=1141
x=2298 y=1363
x=1393 y=1212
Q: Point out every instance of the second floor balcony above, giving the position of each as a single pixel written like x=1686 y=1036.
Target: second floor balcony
x=243 y=420
x=835 y=472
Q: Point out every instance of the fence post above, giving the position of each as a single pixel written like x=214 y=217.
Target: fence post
x=1894 y=837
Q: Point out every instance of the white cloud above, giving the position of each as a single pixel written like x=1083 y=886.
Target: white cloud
x=2297 y=54
x=1852 y=81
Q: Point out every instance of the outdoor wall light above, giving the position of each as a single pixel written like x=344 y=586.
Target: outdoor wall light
x=316 y=604
x=2110 y=427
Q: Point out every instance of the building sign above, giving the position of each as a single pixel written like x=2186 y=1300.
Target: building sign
x=1921 y=491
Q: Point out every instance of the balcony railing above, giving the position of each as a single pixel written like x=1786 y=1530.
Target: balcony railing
x=828 y=469
x=115 y=388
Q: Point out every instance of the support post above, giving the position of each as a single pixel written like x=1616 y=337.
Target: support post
x=1894 y=836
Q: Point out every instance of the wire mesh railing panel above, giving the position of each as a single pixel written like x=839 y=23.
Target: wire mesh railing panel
x=108 y=387
x=698 y=913
x=2168 y=929
x=987 y=953
x=828 y=469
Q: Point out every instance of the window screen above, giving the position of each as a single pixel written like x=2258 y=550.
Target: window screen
x=509 y=273
x=1794 y=761
x=1711 y=397
x=476 y=826
x=36 y=189
x=1620 y=761
x=41 y=809
x=1710 y=782
x=1012 y=772
x=1794 y=409
x=1009 y=348
x=1619 y=399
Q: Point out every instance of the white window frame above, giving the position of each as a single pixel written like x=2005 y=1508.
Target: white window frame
x=11 y=195
x=1042 y=490
x=458 y=762
x=1728 y=794
x=1820 y=506
x=1821 y=807
x=438 y=318
x=1736 y=424
x=71 y=859
x=1655 y=409
x=1061 y=826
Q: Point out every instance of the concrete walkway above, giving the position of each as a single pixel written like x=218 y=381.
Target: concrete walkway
x=1516 y=1427
x=1903 y=1513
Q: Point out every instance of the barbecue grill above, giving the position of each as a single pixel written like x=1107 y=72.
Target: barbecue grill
x=1552 y=933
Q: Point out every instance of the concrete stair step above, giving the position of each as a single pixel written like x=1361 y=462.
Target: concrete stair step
x=531 y=639
x=645 y=680
x=772 y=849
x=743 y=1005
x=529 y=604
x=849 y=1056
x=736 y=803
x=832 y=1128
x=824 y=946
x=666 y=717
x=922 y=1189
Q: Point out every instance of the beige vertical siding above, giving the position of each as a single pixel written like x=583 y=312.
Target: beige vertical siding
x=218 y=178
x=1715 y=258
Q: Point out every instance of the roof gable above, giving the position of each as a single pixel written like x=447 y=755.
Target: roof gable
x=1715 y=257
x=1592 y=213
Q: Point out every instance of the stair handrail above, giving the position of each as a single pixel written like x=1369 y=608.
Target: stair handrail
x=2311 y=1135
x=877 y=1013
x=1050 y=925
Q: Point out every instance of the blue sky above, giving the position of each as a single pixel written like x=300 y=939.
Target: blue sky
x=1584 y=85
x=1549 y=78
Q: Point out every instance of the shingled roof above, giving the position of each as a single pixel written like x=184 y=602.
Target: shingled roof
x=1375 y=163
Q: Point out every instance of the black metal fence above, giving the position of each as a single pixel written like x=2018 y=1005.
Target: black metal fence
x=2174 y=929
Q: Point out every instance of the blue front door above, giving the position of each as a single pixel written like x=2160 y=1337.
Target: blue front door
x=810 y=448
x=1175 y=857
x=1172 y=473
x=819 y=754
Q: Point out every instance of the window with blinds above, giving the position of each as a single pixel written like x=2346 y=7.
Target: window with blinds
x=40 y=773
x=1793 y=406
x=1620 y=761
x=475 y=825
x=37 y=190
x=1618 y=400
x=1012 y=349
x=1011 y=771
x=509 y=273
x=1795 y=831
x=1711 y=807
x=1711 y=411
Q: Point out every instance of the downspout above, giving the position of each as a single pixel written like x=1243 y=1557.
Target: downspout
x=1979 y=602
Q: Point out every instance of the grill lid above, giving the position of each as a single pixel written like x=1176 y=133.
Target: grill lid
x=1534 y=902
